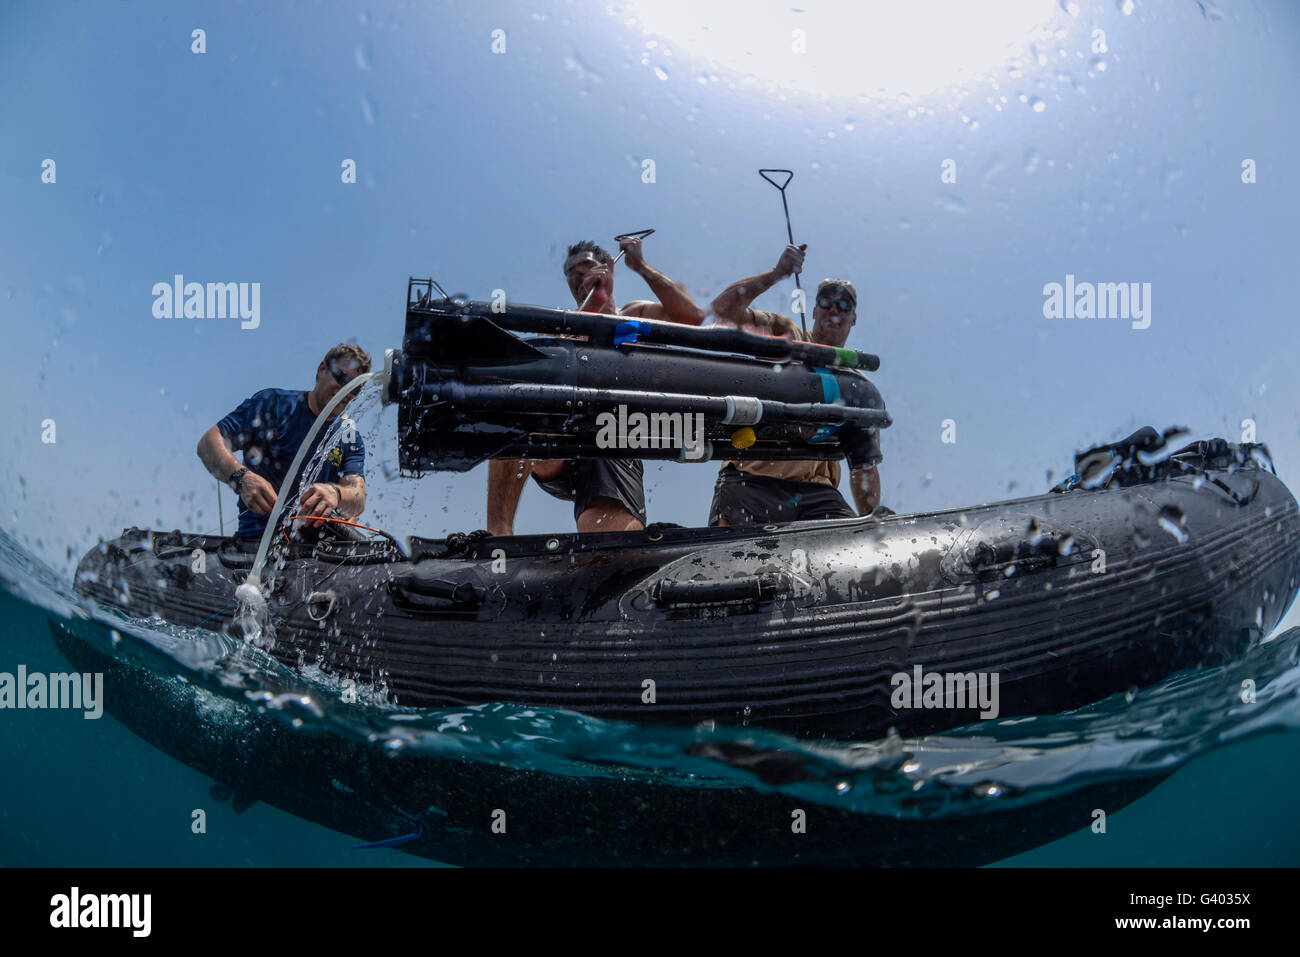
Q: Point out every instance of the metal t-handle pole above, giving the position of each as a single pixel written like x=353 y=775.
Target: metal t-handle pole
x=637 y=234
x=789 y=175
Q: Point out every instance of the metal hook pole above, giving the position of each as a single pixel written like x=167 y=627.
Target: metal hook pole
x=637 y=234
x=803 y=320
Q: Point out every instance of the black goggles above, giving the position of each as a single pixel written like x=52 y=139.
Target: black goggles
x=341 y=377
x=843 y=303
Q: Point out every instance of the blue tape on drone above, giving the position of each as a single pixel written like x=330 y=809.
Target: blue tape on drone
x=629 y=331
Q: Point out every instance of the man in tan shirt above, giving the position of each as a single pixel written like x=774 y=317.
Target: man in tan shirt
x=767 y=492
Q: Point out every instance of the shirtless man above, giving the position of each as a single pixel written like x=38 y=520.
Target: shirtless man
x=608 y=495
x=788 y=491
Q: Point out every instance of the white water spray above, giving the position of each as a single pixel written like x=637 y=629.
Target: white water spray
x=251 y=611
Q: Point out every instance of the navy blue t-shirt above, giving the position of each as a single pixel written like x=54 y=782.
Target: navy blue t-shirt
x=268 y=427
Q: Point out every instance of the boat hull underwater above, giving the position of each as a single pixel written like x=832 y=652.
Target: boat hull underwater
x=476 y=812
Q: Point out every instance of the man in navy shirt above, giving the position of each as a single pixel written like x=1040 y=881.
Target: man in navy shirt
x=269 y=427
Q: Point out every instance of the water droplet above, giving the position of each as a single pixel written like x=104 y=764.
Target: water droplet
x=1125 y=7
x=1172 y=520
x=1209 y=11
x=1037 y=104
x=585 y=73
x=362 y=56
x=950 y=203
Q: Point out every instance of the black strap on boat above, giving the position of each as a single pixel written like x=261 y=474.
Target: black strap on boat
x=460 y=542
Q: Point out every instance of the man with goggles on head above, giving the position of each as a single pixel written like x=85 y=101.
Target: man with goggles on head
x=269 y=426
x=767 y=492
x=607 y=494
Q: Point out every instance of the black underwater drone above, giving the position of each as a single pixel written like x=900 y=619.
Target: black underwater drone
x=479 y=380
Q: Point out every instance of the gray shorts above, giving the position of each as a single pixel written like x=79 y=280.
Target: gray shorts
x=583 y=480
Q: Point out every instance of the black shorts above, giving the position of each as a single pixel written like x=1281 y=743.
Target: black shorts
x=744 y=499
x=583 y=480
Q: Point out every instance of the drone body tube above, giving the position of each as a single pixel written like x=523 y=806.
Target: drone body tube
x=470 y=388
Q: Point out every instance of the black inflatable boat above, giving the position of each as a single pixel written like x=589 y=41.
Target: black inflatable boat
x=843 y=628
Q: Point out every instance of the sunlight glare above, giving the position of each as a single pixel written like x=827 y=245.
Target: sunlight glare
x=903 y=49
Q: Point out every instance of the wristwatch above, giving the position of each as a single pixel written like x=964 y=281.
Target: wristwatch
x=237 y=478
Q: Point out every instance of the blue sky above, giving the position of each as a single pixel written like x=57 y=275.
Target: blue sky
x=479 y=167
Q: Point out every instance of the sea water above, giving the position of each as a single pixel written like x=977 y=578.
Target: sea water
x=89 y=792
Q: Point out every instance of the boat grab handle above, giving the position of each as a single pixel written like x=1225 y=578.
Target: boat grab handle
x=409 y=591
x=1029 y=556
x=750 y=588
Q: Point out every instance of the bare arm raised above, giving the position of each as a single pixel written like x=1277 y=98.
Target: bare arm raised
x=675 y=303
x=732 y=305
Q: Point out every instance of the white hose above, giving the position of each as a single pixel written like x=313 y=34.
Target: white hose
x=250 y=591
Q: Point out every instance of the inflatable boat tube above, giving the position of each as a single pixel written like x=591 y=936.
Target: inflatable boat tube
x=842 y=628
